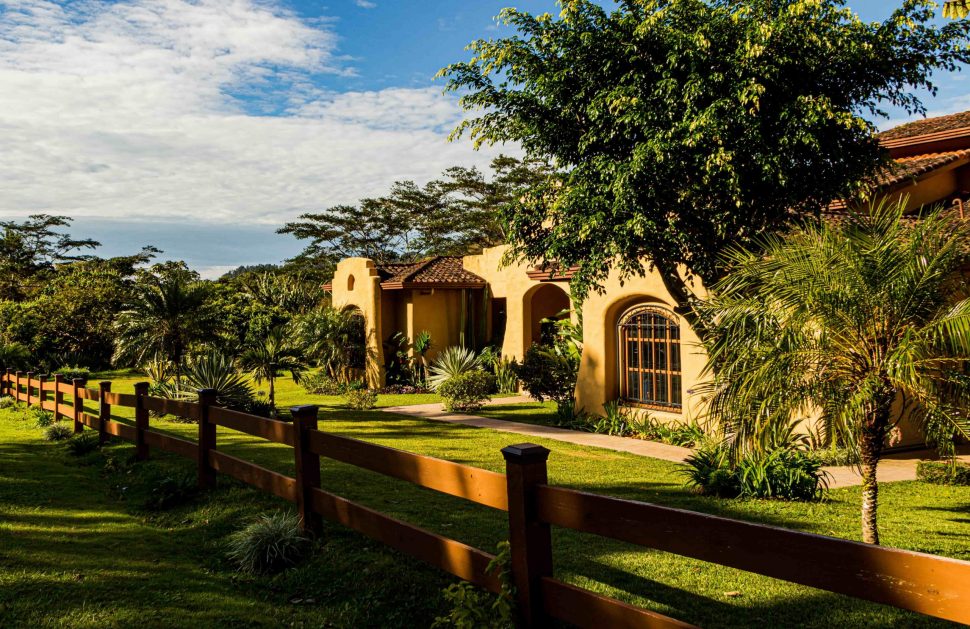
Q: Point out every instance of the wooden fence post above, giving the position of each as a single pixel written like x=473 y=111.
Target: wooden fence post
x=78 y=405
x=307 y=467
x=7 y=379
x=30 y=374
x=41 y=395
x=530 y=540
x=17 y=385
x=141 y=421
x=105 y=412
x=58 y=396
x=207 y=439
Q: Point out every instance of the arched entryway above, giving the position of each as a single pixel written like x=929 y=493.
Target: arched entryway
x=543 y=303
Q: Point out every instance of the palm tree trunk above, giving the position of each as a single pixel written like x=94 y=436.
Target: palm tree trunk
x=272 y=395
x=870 y=451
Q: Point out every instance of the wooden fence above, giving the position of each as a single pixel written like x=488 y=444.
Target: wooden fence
x=928 y=584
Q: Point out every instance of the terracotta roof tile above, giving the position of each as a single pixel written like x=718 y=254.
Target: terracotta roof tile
x=441 y=270
x=926 y=126
x=911 y=167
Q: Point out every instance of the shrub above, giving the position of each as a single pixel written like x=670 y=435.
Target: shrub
x=40 y=417
x=547 y=373
x=785 y=473
x=836 y=456
x=403 y=389
x=506 y=379
x=58 y=432
x=269 y=544
x=451 y=362
x=7 y=401
x=473 y=608
x=73 y=373
x=171 y=490
x=320 y=383
x=82 y=444
x=686 y=435
x=466 y=392
x=360 y=399
x=616 y=421
x=943 y=472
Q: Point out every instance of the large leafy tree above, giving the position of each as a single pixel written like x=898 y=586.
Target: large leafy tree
x=459 y=213
x=168 y=312
x=866 y=319
x=683 y=127
x=32 y=247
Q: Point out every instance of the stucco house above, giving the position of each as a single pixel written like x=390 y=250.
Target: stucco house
x=636 y=349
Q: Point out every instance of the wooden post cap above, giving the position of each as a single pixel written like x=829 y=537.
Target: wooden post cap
x=141 y=386
x=304 y=410
x=105 y=384
x=207 y=394
x=525 y=453
x=77 y=381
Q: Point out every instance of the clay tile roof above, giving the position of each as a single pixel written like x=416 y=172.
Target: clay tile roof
x=927 y=126
x=908 y=168
x=444 y=271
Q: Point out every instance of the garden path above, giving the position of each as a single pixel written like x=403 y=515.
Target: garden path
x=895 y=467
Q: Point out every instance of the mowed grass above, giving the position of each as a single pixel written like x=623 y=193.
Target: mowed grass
x=61 y=519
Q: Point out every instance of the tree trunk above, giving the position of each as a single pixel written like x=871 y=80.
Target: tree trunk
x=870 y=450
x=272 y=396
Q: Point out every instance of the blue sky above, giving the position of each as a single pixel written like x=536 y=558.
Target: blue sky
x=199 y=127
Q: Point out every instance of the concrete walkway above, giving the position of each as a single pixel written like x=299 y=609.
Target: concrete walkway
x=619 y=444
x=894 y=467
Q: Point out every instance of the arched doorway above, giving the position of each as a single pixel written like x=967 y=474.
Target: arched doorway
x=544 y=303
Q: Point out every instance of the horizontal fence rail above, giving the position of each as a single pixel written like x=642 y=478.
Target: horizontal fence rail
x=928 y=584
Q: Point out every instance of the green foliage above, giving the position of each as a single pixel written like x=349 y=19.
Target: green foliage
x=83 y=444
x=39 y=417
x=847 y=317
x=167 y=314
x=265 y=360
x=451 y=362
x=684 y=128
x=14 y=355
x=334 y=339
x=399 y=369
x=216 y=371
x=466 y=392
x=58 y=432
x=170 y=490
x=270 y=544
x=74 y=373
x=8 y=401
x=943 y=472
x=474 y=608
x=32 y=248
x=360 y=399
x=685 y=434
x=616 y=421
x=546 y=373
x=454 y=215
x=319 y=383
x=785 y=473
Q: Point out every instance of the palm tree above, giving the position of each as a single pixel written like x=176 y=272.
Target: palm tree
x=265 y=360
x=861 y=319
x=169 y=312
x=334 y=339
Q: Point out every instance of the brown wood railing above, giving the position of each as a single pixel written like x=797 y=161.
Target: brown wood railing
x=928 y=584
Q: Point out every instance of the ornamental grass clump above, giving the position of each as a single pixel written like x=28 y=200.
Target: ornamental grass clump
x=58 y=432
x=451 y=362
x=270 y=544
x=82 y=444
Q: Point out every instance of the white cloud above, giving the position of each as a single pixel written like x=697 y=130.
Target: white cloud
x=365 y=4
x=149 y=108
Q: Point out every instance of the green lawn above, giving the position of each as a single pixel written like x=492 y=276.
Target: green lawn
x=542 y=413
x=75 y=550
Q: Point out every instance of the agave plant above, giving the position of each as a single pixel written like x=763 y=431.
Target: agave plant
x=452 y=361
x=208 y=371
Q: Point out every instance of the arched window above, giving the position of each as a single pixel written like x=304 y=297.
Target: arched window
x=649 y=358
x=350 y=283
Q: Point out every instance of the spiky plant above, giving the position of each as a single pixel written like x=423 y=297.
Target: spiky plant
x=452 y=361
x=266 y=359
x=214 y=370
x=864 y=319
x=269 y=544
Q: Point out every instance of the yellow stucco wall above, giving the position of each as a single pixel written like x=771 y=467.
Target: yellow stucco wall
x=357 y=284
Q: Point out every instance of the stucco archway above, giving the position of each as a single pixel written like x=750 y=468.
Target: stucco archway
x=545 y=301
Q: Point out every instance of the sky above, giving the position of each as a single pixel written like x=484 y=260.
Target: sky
x=201 y=126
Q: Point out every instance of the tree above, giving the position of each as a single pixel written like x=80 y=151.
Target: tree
x=169 y=311
x=866 y=319
x=680 y=128
x=266 y=359
x=32 y=247
x=457 y=214
x=333 y=339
